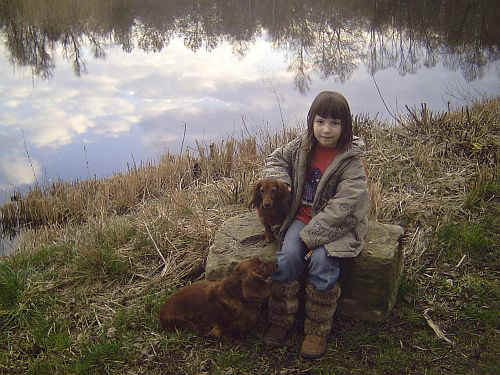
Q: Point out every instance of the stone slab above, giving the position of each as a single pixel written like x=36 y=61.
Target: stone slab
x=369 y=282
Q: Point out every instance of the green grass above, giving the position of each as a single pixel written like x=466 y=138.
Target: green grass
x=473 y=239
x=478 y=237
x=100 y=357
x=12 y=284
x=484 y=191
x=103 y=262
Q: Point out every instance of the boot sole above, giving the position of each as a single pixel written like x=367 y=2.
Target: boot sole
x=312 y=356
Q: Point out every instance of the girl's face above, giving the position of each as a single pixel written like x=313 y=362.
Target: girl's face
x=327 y=131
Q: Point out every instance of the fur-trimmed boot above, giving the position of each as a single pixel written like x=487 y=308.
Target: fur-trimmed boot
x=283 y=304
x=319 y=309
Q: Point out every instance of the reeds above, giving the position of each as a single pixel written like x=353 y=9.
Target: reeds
x=424 y=170
x=62 y=202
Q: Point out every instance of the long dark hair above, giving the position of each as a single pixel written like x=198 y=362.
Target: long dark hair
x=331 y=104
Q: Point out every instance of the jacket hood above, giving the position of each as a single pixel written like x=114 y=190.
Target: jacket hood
x=357 y=146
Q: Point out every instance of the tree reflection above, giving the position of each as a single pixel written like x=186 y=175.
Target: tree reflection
x=325 y=38
x=29 y=46
x=338 y=52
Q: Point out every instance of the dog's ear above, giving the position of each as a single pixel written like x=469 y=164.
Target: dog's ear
x=284 y=191
x=256 y=198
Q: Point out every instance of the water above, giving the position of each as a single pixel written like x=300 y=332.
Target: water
x=8 y=245
x=88 y=87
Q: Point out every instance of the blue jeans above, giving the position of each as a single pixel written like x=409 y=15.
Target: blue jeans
x=323 y=270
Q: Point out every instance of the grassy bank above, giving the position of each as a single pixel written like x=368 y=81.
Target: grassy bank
x=82 y=295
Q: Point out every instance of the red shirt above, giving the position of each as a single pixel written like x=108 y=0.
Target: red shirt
x=322 y=157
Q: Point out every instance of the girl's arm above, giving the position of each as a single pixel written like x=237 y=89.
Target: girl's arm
x=279 y=163
x=344 y=210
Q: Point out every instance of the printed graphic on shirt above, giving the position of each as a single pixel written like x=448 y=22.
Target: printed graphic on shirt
x=310 y=186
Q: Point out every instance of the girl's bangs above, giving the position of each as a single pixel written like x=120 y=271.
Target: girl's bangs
x=331 y=107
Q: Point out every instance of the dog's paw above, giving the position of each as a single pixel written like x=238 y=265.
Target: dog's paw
x=215 y=332
x=269 y=237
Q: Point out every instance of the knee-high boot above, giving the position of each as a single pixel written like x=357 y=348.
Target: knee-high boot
x=319 y=308
x=283 y=304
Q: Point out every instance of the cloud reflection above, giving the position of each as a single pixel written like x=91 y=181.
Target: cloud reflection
x=202 y=91
x=16 y=170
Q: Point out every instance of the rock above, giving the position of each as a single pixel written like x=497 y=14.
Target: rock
x=239 y=238
x=369 y=282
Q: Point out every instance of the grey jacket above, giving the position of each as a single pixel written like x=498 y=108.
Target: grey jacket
x=341 y=204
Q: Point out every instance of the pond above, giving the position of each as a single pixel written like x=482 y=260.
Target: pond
x=91 y=86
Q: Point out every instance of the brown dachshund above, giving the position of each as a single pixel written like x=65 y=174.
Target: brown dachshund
x=228 y=307
x=272 y=198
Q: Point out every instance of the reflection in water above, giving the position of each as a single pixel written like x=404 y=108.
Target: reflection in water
x=329 y=38
x=8 y=245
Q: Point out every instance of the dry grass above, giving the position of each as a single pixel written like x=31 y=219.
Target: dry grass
x=82 y=295
x=421 y=172
x=61 y=202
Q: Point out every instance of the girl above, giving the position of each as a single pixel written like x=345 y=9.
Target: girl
x=327 y=220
